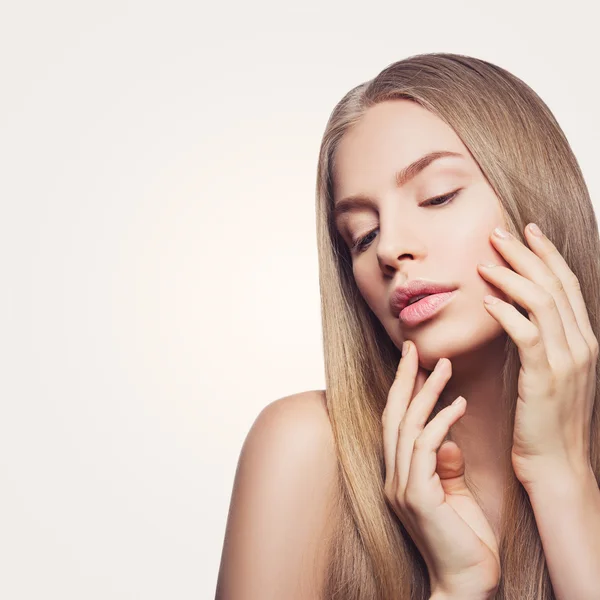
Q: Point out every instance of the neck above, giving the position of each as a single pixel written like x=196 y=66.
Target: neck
x=479 y=433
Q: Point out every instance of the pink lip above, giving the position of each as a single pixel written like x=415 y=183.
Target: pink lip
x=416 y=287
x=425 y=308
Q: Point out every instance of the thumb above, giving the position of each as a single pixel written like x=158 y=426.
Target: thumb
x=451 y=467
x=451 y=470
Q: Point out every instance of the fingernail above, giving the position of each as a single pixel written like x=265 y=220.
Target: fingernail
x=501 y=233
x=405 y=348
x=535 y=229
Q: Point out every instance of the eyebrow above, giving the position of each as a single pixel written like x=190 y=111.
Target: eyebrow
x=402 y=178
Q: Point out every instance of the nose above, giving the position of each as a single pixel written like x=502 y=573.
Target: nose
x=396 y=247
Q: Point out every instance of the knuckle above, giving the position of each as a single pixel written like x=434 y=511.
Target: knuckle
x=555 y=285
x=399 y=499
x=393 y=493
x=582 y=361
x=412 y=423
x=422 y=442
x=531 y=339
x=574 y=282
x=566 y=371
x=546 y=301
x=411 y=499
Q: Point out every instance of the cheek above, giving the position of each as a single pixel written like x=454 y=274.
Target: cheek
x=462 y=259
x=365 y=286
x=475 y=247
x=372 y=290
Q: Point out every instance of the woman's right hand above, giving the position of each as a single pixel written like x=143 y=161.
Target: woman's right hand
x=425 y=484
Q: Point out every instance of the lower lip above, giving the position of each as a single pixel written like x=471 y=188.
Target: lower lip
x=425 y=308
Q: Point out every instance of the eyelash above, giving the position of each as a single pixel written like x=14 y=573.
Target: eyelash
x=360 y=243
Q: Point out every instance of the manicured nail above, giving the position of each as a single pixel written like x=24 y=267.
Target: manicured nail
x=490 y=299
x=405 y=348
x=535 y=229
x=501 y=233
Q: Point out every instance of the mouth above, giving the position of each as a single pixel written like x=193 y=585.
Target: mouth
x=425 y=307
x=413 y=291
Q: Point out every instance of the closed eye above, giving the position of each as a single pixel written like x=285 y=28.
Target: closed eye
x=361 y=243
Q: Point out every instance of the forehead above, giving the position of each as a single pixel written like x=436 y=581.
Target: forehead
x=389 y=136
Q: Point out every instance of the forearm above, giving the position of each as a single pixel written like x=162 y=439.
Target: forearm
x=567 y=513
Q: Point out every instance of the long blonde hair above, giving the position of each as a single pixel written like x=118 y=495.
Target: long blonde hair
x=528 y=162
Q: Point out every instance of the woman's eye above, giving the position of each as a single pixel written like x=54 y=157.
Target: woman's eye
x=445 y=199
x=361 y=243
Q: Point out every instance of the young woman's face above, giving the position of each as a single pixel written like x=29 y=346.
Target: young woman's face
x=407 y=238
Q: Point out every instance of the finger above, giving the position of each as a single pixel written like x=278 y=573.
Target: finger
x=451 y=470
x=526 y=336
x=416 y=416
x=423 y=467
x=417 y=413
x=573 y=309
x=450 y=466
x=543 y=313
x=398 y=398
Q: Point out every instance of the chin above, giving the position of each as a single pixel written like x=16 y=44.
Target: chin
x=465 y=347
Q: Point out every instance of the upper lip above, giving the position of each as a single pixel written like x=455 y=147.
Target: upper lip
x=403 y=293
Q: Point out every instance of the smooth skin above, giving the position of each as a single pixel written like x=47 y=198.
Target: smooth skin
x=409 y=233
x=425 y=484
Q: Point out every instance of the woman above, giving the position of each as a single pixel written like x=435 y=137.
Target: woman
x=383 y=488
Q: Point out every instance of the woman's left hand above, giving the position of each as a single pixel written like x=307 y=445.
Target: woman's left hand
x=558 y=352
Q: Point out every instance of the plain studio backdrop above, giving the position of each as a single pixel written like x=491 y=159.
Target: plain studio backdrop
x=158 y=248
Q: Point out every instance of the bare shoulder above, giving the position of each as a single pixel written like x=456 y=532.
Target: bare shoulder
x=282 y=504
x=297 y=425
x=303 y=415
x=312 y=402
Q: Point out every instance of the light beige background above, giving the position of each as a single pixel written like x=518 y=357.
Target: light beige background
x=158 y=251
